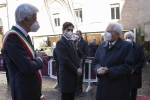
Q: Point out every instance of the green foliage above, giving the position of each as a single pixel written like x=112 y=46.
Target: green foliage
x=139 y=35
x=42 y=44
x=47 y=51
x=146 y=54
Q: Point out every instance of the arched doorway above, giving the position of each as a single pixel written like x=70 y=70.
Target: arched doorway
x=57 y=10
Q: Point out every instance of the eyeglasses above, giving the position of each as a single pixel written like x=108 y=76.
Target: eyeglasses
x=70 y=30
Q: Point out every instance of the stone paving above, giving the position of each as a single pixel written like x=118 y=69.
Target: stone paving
x=54 y=94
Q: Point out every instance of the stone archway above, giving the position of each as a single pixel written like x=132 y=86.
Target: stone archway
x=58 y=10
x=63 y=3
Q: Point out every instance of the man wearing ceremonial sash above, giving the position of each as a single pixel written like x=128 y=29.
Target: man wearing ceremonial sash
x=22 y=62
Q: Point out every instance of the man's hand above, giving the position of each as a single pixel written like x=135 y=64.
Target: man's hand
x=147 y=63
x=132 y=71
x=106 y=69
x=39 y=54
x=42 y=55
x=79 y=72
x=102 y=70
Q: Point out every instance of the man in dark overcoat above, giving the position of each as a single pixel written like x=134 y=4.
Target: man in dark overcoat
x=83 y=46
x=68 y=63
x=24 y=79
x=92 y=47
x=56 y=64
x=136 y=75
x=112 y=63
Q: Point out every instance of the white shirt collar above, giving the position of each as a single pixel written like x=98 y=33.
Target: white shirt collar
x=113 y=42
x=22 y=30
x=66 y=37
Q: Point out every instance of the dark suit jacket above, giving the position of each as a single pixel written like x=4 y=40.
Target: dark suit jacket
x=139 y=59
x=56 y=60
x=92 y=49
x=68 y=65
x=83 y=45
x=24 y=81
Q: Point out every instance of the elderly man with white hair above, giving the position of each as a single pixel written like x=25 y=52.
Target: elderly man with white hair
x=112 y=63
x=136 y=74
x=22 y=62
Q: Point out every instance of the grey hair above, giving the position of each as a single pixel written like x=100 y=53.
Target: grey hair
x=25 y=11
x=129 y=33
x=93 y=40
x=102 y=38
x=116 y=27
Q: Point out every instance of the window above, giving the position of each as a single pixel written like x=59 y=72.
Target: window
x=56 y=17
x=115 y=11
x=57 y=21
x=78 y=13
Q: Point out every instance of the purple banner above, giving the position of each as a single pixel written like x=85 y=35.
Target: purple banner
x=93 y=75
x=45 y=66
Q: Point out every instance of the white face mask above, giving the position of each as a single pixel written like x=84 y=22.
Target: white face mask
x=69 y=34
x=76 y=36
x=129 y=40
x=34 y=27
x=107 y=36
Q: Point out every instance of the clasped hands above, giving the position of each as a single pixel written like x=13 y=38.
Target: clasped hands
x=42 y=55
x=102 y=70
x=79 y=72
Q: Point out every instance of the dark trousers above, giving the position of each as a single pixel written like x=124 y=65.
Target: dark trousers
x=58 y=77
x=133 y=94
x=68 y=96
x=57 y=70
x=7 y=76
x=80 y=83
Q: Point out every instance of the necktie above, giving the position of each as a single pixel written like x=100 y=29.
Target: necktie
x=69 y=41
x=110 y=46
x=29 y=40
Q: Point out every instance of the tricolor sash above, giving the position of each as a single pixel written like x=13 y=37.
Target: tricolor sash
x=27 y=46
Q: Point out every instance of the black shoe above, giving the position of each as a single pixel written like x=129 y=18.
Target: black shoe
x=76 y=94
x=80 y=94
